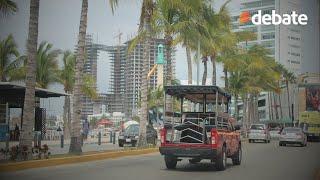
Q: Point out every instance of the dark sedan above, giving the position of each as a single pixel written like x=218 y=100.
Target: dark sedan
x=131 y=135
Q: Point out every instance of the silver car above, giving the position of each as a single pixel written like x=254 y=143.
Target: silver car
x=275 y=133
x=292 y=135
x=259 y=132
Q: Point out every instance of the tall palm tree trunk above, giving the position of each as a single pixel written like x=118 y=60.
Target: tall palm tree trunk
x=288 y=93
x=169 y=99
x=29 y=100
x=214 y=73
x=271 y=106
x=256 y=108
x=66 y=119
x=275 y=106
x=144 y=81
x=226 y=80
x=75 y=144
x=236 y=106
x=245 y=116
x=205 y=67
x=188 y=52
x=280 y=106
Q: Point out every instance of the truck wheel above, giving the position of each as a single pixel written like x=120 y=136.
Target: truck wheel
x=280 y=144
x=221 y=162
x=171 y=162
x=236 y=158
x=120 y=144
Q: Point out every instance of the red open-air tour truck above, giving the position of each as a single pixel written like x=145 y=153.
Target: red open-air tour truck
x=202 y=130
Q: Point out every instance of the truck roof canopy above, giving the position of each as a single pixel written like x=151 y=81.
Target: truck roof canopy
x=195 y=93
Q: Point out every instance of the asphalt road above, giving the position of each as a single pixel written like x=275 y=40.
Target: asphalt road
x=260 y=162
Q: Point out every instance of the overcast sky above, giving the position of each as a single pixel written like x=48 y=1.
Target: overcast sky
x=59 y=25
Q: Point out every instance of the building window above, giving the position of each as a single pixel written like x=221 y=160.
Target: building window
x=267 y=44
x=294 y=62
x=262 y=114
x=268 y=36
x=294 y=38
x=267 y=28
x=294 y=46
x=295 y=54
x=262 y=103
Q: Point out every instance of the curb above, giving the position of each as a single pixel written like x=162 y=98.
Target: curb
x=16 y=166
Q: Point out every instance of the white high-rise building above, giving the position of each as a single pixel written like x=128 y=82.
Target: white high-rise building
x=290 y=45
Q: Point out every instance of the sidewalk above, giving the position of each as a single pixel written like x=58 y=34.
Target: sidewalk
x=89 y=145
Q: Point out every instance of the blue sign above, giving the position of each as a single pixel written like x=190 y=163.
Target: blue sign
x=160 y=59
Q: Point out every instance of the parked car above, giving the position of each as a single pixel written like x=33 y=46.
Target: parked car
x=275 y=133
x=292 y=135
x=259 y=132
x=131 y=135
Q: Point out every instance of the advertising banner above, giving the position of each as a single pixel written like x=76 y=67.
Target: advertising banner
x=313 y=98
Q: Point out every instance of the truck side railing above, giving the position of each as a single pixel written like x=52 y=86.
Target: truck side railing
x=195 y=129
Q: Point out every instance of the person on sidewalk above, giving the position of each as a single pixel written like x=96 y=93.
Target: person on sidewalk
x=16 y=133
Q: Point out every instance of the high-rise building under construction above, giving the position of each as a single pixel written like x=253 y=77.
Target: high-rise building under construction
x=126 y=75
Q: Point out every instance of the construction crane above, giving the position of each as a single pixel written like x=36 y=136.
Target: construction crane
x=119 y=37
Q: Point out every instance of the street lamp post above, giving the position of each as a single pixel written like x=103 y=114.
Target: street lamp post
x=61 y=137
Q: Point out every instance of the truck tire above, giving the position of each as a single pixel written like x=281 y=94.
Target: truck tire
x=171 y=162
x=221 y=162
x=120 y=144
x=236 y=158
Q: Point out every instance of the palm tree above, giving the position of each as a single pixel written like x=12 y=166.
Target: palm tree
x=9 y=59
x=145 y=26
x=75 y=143
x=165 y=20
x=66 y=77
x=29 y=100
x=289 y=79
x=7 y=7
x=205 y=67
x=144 y=33
x=188 y=34
x=47 y=65
x=251 y=72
